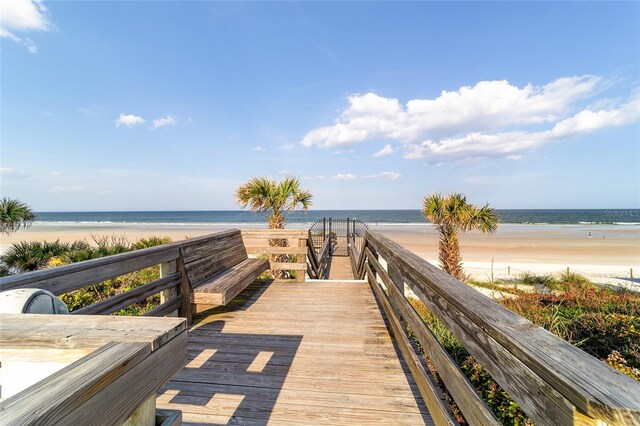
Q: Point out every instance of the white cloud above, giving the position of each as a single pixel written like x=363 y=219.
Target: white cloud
x=384 y=151
x=109 y=192
x=345 y=176
x=31 y=46
x=514 y=157
x=388 y=175
x=259 y=148
x=73 y=188
x=8 y=171
x=351 y=176
x=169 y=120
x=316 y=177
x=19 y=16
x=491 y=118
x=340 y=151
x=54 y=173
x=509 y=143
x=129 y=120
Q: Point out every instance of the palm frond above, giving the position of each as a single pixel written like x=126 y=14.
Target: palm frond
x=485 y=219
x=278 y=197
x=14 y=214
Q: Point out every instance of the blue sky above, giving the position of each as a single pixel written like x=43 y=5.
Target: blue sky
x=172 y=105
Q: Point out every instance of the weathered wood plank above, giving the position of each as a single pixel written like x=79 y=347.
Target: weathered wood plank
x=71 y=277
x=538 y=369
x=313 y=258
x=354 y=255
x=277 y=250
x=88 y=331
x=128 y=390
x=318 y=401
x=167 y=269
x=286 y=266
x=277 y=233
x=437 y=406
x=361 y=261
x=165 y=308
x=472 y=406
x=214 y=263
x=168 y=417
x=221 y=289
x=185 y=290
x=302 y=258
x=122 y=300
x=323 y=259
x=198 y=248
x=329 y=360
x=53 y=398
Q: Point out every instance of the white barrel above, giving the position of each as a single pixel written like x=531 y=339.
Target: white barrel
x=31 y=301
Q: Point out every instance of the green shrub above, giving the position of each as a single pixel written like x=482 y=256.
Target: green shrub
x=31 y=256
x=150 y=242
x=529 y=278
x=603 y=322
x=505 y=409
x=570 y=281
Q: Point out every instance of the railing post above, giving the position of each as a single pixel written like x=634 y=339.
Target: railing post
x=347 y=233
x=184 y=290
x=166 y=269
x=375 y=255
x=324 y=229
x=397 y=281
x=302 y=258
x=396 y=276
x=330 y=237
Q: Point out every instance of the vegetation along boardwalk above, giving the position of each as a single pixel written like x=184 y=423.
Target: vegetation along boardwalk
x=288 y=350
x=317 y=352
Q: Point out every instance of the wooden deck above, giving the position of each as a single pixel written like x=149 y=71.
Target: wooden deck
x=340 y=268
x=317 y=353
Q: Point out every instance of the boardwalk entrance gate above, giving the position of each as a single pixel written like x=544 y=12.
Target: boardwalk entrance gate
x=338 y=230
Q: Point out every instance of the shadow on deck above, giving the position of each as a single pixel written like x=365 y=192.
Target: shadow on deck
x=315 y=353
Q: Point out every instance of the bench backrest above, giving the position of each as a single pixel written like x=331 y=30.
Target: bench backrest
x=213 y=255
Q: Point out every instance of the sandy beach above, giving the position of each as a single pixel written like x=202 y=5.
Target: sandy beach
x=607 y=256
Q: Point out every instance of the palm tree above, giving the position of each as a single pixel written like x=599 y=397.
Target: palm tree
x=276 y=197
x=453 y=215
x=14 y=215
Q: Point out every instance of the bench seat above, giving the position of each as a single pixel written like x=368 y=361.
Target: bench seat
x=221 y=288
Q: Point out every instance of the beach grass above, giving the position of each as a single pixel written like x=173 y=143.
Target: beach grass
x=604 y=322
x=34 y=255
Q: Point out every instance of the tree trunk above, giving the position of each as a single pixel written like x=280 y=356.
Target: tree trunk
x=276 y=221
x=450 y=260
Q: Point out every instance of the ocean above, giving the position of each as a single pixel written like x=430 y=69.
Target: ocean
x=546 y=217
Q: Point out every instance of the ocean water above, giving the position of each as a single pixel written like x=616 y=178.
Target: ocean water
x=549 y=217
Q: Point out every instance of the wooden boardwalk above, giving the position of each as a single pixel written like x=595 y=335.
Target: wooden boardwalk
x=317 y=353
x=340 y=268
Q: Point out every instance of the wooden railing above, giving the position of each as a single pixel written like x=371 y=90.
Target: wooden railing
x=288 y=253
x=173 y=285
x=318 y=265
x=59 y=369
x=554 y=382
x=104 y=370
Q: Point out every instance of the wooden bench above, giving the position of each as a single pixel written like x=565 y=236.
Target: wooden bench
x=219 y=269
